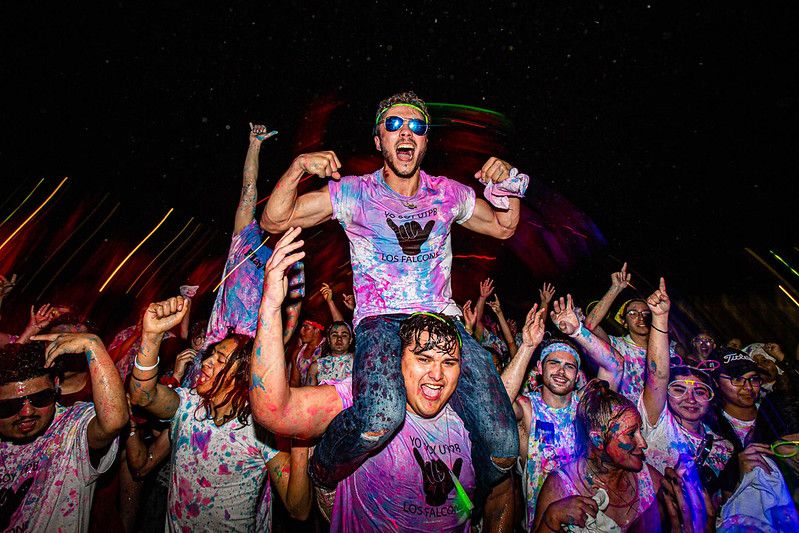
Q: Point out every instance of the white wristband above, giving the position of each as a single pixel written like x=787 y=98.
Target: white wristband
x=577 y=332
x=145 y=368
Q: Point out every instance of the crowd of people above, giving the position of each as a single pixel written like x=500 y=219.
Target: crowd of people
x=403 y=410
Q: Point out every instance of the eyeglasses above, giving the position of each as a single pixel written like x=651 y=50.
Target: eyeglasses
x=43 y=398
x=785 y=448
x=633 y=313
x=416 y=125
x=680 y=387
x=706 y=365
x=704 y=341
x=754 y=381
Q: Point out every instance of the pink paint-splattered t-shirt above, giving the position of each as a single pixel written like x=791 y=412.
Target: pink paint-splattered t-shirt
x=400 y=247
x=239 y=296
x=48 y=484
x=551 y=445
x=334 y=367
x=217 y=472
x=389 y=492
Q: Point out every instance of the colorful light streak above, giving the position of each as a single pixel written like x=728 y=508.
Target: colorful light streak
x=472 y=256
x=781 y=260
x=232 y=270
x=34 y=213
x=167 y=260
x=136 y=248
x=22 y=203
x=145 y=269
x=788 y=294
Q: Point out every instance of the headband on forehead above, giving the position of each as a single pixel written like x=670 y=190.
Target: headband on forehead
x=314 y=324
x=559 y=347
x=416 y=107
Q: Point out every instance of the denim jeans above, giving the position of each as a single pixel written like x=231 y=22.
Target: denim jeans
x=379 y=407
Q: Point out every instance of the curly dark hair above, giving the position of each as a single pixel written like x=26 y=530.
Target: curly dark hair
x=407 y=97
x=443 y=333
x=21 y=362
x=599 y=407
x=237 y=370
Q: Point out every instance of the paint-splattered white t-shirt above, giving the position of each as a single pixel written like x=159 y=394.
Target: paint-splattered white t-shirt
x=632 y=381
x=400 y=247
x=217 y=472
x=667 y=440
x=48 y=484
x=408 y=485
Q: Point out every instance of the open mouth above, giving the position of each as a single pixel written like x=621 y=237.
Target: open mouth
x=431 y=392
x=559 y=380
x=203 y=378
x=405 y=151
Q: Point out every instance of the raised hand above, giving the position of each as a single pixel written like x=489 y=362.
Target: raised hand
x=774 y=350
x=69 y=343
x=495 y=170
x=486 y=288
x=275 y=279
x=349 y=301
x=658 y=302
x=259 y=133
x=327 y=292
x=436 y=479
x=620 y=280
x=545 y=293
x=322 y=164
x=160 y=317
x=495 y=306
x=533 y=329
x=563 y=315
x=411 y=236
x=6 y=285
x=41 y=317
x=469 y=316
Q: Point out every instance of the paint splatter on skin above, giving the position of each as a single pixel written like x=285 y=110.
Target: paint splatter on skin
x=257 y=382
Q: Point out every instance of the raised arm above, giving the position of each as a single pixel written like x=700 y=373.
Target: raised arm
x=335 y=312
x=108 y=392
x=245 y=212
x=611 y=365
x=486 y=288
x=285 y=209
x=618 y=282
x=302 y=412
x=657 y=354
x=503 y=325
x=532 y=333
x=499 y=223
x=144 y=388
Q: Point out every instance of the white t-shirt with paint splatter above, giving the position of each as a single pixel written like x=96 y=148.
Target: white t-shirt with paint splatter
x=667 y=440
x=48 y=484
x=217 y=472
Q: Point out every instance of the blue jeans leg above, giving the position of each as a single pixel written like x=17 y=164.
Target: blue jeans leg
x=378 y=407
x=483 y=404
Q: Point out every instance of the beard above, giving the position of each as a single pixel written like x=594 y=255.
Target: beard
x=389 y=156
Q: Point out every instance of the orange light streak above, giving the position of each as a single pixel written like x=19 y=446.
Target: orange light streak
x=22 y=203
x=145 y=269
x=136 y=248
x=33 y=214
x=788 y=294
x=232 y=270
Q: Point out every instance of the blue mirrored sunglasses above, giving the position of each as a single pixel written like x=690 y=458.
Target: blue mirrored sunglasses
x=416 y=125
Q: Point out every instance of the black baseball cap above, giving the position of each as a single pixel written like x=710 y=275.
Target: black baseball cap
x=733 y=363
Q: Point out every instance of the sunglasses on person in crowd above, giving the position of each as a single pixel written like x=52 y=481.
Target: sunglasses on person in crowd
x=785 y=448
x=754 y=381
x=707 y=365
x=680 y=387
x=417 y=125
x=12 y=406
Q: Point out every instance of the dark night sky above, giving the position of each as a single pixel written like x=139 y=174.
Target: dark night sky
x=672 y=126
